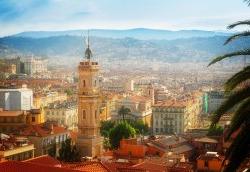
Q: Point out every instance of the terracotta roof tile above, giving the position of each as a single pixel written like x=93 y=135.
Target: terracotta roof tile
x=172 y=103
x=87 y=167
x=45 y=159
x=114 y=166
x=17 y=166
x=41 y=130
x=151 y=167
x=11 y=113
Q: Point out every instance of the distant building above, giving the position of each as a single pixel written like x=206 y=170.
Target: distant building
x=43 y=136
x=140 y=107
x=63 y=113
x=12 y=121
x=43 y=100
x=16 y=99
x=15 y=148
x=17 y=62
x=176 y=116
x=8 y=68
x=212 y=100
x=34 y=66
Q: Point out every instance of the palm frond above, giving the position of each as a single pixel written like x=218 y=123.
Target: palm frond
x=244 y=22
x=248 y=2
x=237 y=78
x=237 y=53
x=238 y=150
x=232 y=100
x=240 y=115
x=236 y=36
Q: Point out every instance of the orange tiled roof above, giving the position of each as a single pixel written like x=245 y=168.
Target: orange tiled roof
x=132 y=169
x=41 y=130
x=87 y=167
x=115 y=166
x=17 y=166
x=151 y=167
x=44 y=160
x=172 y=103
x=139 y=98
x=11 y=113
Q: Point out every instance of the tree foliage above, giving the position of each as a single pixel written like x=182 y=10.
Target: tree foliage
x=52 y=150
x=139 y=126
x=69 y=152
x=239 y=90
x=120 y=131
x=69 y=92
x=216 y=130
x=106 y=126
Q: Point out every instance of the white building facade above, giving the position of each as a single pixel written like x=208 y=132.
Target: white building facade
x=16 y=99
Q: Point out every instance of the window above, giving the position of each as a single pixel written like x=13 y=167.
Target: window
x=83 y=114
x=33 y=119
x=95 y=83
x=84 y=84
x=95 y=114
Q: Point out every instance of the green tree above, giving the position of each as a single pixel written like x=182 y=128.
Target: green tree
x=120 y=131
x=106 y=126
x=69 y=92
x=52 y=150
x=123 y=111
x=215 y=130
x=69 y=152
x=239 y=94
x=140 y=127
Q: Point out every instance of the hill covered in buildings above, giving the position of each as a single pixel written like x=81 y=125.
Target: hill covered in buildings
x=188 y=46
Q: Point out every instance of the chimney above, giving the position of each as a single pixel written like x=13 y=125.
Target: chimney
x=51 y=128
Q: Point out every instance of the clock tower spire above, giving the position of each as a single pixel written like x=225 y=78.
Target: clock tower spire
x=89 y=139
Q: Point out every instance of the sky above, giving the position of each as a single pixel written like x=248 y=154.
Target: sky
x=51 y=15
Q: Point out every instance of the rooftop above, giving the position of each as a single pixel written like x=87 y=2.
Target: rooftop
x=206 y=140
x=45 y=159
x=17 y=166
x=172 y=103
x=11 y=113
x=41 y=130
x=87 y=166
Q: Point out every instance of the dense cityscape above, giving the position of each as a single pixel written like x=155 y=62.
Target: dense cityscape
x=139 y=112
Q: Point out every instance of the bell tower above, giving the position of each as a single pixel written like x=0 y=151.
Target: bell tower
x=89 y=139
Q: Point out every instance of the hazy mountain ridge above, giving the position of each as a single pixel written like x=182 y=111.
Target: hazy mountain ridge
x=188 y=49
x=137 y=33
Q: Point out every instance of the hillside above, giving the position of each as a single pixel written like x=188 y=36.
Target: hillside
x=191 y=49
x=137 y=33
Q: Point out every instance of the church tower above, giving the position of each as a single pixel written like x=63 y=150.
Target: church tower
x=89 y=140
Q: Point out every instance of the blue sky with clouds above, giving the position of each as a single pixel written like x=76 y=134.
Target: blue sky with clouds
x=24 y=15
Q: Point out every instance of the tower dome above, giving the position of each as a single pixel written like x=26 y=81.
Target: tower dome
x=88 y=53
